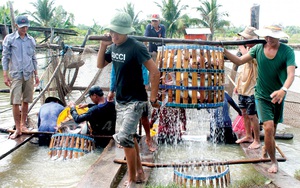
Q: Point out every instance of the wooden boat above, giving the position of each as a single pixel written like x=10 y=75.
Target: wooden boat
x=281 y=178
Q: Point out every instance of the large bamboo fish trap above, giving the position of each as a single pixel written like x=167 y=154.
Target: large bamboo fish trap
x=70 y=145
x=217 y=175
x=192 y=75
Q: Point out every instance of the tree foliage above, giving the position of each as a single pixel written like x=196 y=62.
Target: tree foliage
x=171 y=12
x=211 y=17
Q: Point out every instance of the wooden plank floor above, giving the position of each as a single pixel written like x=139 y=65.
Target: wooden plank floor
x=105 y=173
x=280 y=179
x=146 y=156
x=10 y=145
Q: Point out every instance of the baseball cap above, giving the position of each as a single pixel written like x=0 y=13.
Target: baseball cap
x=121 y=23
x=155 y=17
x=95 y=90
x=22 y=21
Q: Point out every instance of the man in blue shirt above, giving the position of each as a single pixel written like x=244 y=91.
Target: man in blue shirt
x=47 y=118
x=155 y=29
x=18 y=57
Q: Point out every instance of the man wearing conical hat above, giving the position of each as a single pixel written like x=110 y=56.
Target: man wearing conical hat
x=276 y=71
x=128 y=55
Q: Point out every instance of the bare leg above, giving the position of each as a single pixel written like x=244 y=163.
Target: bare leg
x=24 y=113
x=149 y=141
x=17 y=119
x=255 y=127
x=140 y=176
x=248 y=137
x=270 y=128
x=130 y=154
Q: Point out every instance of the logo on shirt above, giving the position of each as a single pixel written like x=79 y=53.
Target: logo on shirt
x=118 y=57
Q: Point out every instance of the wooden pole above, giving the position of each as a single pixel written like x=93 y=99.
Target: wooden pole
x=187 y=41
x=212 y=163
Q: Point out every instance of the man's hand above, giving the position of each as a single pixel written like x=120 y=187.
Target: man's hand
x=110 y=96
x=71 y=104
x=277 y=96
x=7 y=80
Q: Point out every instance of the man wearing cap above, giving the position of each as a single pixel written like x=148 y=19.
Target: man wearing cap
x=128 y=55
x=101 y=115
x=245 y=89
x=155 y=29
x=276 y=70
x=18 y=57
x=47 y=118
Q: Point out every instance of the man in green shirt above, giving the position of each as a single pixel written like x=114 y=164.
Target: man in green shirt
x=276 y=70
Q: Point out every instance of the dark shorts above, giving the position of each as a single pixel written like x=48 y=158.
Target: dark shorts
x=268 y=111
x=248 y=103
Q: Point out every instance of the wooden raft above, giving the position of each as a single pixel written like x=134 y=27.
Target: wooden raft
x=105 y=173
x=280 y=179
x=11 y=145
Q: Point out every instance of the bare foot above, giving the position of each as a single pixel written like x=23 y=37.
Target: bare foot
x=254 y=145
x=264 y=152
x=24 y=129
x=119 y=146
x=273 y=168
x=150 y=145
x=129 y=184
x=140 y=177
x=15 y=135
x=244 y=139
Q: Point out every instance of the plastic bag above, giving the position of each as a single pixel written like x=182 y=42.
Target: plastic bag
x=238 y=126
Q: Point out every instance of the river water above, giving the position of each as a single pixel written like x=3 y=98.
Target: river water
x=30 y=165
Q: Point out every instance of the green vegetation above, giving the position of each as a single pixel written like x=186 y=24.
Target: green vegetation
x=297 y=174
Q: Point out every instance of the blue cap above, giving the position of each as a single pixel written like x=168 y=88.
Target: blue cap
x=95 y=90
x=22 y=21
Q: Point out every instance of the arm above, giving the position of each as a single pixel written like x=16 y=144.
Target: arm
x=237 y=60
x=154 y=75
x=277 y=96
x=111 y=95
x=233 y=104
x=6 y=56
x=101 y=53
x=145 y=75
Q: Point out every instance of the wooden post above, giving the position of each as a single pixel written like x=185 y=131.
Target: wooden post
x=255 y=16
x=186 y=75
x=209 y=83
x=163 y=95
x=194 y=76
x=12 y=17
x=82 y=147
x=171 y=62
x=178 y=76
x=71 y=146
x=77 y=147
x=215 y=75
x=202 y=75
x=66 y=146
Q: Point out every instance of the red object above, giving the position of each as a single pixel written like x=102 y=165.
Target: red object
x=238 y=125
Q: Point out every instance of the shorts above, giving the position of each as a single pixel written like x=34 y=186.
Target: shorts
x=146 y=110
x=128 y=116
x=248 y=103
x=268 y=111
x=21 y=91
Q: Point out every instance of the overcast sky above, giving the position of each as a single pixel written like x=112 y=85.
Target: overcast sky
x=271 y=11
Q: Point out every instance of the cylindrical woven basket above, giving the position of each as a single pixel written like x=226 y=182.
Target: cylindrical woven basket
x=192 y=75
x=70 y=145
